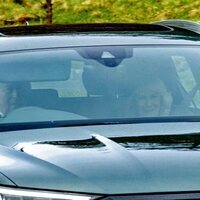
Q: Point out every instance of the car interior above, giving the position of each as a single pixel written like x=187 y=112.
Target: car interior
x=105 y=84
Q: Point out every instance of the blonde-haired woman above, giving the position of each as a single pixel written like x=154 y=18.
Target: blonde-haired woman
x=150 y=98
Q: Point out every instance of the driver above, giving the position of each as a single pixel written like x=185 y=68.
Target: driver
x=8 y=97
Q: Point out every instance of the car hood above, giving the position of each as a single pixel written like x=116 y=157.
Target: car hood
x=99 y=164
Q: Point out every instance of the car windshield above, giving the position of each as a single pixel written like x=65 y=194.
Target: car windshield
x=101 y=82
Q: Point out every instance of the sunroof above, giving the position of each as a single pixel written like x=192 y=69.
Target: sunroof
x=78 y=28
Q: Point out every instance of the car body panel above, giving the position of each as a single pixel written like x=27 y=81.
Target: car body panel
x=106 y=167
x=5 y=181
x=38 y=173
x=25 y=43
x=13 y=138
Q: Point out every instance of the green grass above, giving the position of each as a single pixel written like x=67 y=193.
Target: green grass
x=89 y=11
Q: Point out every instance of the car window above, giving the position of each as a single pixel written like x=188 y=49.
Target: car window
x=184 y=72
x=64 y=88
x=187 y=79
x=102 y=82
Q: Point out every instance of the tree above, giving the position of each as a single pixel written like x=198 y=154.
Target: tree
x=49 y=11
x=18 y=1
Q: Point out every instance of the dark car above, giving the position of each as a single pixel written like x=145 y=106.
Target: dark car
x=100 y=111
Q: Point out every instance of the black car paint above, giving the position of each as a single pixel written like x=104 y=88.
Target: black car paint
x=103 y=159
x=95 y=164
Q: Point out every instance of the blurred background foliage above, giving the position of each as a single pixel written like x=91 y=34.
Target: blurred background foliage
x=14 y=12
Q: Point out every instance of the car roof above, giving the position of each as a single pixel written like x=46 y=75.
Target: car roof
x=170 y=32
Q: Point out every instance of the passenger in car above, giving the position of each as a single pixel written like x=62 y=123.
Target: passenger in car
x=8 y=97
x=151 y=98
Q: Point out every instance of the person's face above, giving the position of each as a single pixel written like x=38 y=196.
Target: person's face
x=148 y=101
x=6 y=98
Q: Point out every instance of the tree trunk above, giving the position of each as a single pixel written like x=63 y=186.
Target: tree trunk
x=49 y=12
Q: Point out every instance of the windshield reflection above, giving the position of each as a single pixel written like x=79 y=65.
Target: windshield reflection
x=99 y=83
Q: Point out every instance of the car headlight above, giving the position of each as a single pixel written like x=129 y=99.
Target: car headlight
x=23 y=194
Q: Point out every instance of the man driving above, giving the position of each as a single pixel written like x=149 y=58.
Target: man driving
x=8 y=97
